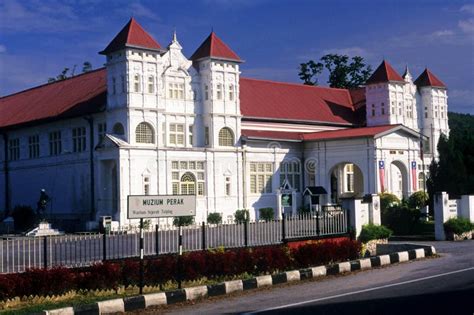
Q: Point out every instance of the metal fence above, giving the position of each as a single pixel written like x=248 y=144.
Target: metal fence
x=76 y=250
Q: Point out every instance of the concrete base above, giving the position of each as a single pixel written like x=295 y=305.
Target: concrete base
x=43 y=229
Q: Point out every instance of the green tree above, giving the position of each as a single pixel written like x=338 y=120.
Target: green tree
x=343 y=72
x=66 y=73
x=86 y=67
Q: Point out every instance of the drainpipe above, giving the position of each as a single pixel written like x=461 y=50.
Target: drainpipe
x=90 y=120
x=7 y=175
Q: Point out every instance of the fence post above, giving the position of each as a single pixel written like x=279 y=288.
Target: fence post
x=246 y=233
x=203 y=235
x=283 y=228
x=45 y=252
x=104 y=247
x=318 y=219
x=157 y=239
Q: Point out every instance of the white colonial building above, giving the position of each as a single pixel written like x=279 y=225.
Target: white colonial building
x=153 y=121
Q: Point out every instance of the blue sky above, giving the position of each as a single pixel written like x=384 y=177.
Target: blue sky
x=38 y=38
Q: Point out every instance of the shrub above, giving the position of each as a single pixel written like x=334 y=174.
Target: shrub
x=214 y=218
x=183 y=221
x=374 y=232
x=401 y=219
x=24 y=217
x=458 y=226
x=267 y=214
x=270 y=259
x=388 y=200
x=322 y=253
x=241 y=216
x=418 y=200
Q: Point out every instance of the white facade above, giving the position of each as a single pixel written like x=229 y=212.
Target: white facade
x=171 y=126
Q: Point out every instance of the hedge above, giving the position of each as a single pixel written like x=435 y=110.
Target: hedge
x=374 y=232
x=196 y=265
x=458 y=226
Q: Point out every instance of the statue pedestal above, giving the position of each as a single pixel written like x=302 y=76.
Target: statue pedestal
x=43 y=229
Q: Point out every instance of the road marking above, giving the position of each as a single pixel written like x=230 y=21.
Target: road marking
x=361 y=291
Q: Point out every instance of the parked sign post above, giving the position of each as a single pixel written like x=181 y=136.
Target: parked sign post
x=161 y=206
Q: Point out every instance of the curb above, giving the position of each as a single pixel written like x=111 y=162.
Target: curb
x=189 y=294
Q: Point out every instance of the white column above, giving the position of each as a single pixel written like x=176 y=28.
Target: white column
x=442 y=214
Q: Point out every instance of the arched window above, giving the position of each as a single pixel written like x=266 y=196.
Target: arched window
x=421 y=181
x=144 y=133
x=291 y=172
x=118 y=129
x=187 y=184
x=226 y=137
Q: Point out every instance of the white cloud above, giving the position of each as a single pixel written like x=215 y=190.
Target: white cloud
x=442 y=33
x=139 y=10
x=467 y=26
x=469 y=8
x=3 y=48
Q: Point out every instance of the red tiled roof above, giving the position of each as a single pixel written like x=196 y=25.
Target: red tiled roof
x=427 y=78
x=288 y=101
x=80 y=95
x=271 y=135
x=132 y=35
x=214 y=47
x=348 y=133
x=86 y=93
x=384 y=73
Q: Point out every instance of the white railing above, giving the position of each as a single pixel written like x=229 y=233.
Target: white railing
x=76 y=250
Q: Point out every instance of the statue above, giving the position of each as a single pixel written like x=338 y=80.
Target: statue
x=41 y=205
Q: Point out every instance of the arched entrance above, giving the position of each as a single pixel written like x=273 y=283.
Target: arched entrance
x=346 y=180
x=398 y=181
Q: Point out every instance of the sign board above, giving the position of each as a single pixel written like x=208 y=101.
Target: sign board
x=161 y=206
x=286 y=200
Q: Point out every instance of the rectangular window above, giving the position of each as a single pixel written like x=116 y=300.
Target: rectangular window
x=349 y=177
x=373 y=110
x=146 y=185
x=79 y=139
x=206 y=135
x=101 y=130
x=261 y=178
x=176 y=133
x=14 y=149
x=163 y=131
x=231 y=92
x=151 y=84
x=136 y=83
x=190 y=134
x=176 y=91
x=219 y=91
x=227 y=186
x=55 y=146
x=33 y=146
x=206 y=92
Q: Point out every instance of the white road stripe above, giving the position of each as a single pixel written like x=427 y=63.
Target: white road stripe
x=361 y=291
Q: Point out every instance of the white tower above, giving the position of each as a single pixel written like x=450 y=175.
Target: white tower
x=133 y=68
x=433 y=116
x=385 y=97
x=218 y=67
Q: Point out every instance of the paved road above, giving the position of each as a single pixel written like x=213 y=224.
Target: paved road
x=443 y=285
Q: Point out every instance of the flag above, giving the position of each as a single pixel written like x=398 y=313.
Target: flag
x=382 y=175
x=413 y=175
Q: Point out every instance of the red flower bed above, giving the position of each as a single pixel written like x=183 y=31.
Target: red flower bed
x=195 y=265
